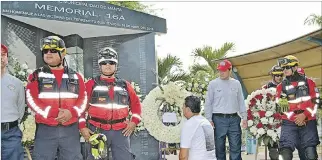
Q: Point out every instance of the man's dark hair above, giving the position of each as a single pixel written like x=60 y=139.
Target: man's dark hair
x=193 y=103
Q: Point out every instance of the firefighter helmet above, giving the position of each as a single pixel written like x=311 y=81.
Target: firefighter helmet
x=107 y=54
x=276 y=70
x=288 y=61
x=53 y=42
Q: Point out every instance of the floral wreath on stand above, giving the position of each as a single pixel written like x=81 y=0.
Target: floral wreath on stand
x=198 y=88
x=27 y=125
x=170 y=96
x=263 y=119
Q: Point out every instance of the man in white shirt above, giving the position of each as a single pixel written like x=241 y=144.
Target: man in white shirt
x=197 y=135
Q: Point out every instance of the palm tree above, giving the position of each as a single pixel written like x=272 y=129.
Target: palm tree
x=170 y=69
x=210 y=54
x=314 y=19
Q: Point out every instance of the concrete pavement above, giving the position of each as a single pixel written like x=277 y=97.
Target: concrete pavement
x=261 y=155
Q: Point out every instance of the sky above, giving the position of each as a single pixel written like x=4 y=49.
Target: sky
x=250 y=25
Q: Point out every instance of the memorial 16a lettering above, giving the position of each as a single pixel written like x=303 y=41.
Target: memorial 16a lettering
x=80 y=12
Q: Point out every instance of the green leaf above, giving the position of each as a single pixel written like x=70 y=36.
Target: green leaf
x=170 y=69
x=259 y=140
x=210 y=55
x=314 y=19
x=267 y=140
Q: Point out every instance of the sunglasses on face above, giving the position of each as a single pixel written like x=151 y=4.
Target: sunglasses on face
x=278 y=75
x=107 y=62
x=286 y=67
x=45 y=51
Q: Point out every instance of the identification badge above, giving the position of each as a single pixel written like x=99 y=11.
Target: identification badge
x=291 y=96
x=48 y=86
x=101 y=99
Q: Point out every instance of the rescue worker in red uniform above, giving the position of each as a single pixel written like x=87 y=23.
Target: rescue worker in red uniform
x=57 y=95
x=110 y=99
x=299 y=125
x=277 y=75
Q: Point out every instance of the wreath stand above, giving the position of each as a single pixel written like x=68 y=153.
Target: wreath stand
x=164 y=147
x=28 y=152
x=256 y=153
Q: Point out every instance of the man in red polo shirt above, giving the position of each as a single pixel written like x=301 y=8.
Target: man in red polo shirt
x=57 y=95
x=110 y=100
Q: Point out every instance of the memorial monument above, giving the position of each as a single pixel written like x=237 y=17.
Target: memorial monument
x=86 y=27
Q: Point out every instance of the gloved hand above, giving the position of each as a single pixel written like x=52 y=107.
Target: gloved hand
x=98 y=145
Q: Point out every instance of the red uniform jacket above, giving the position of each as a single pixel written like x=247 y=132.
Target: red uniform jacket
x=51 y=90
x=305 y=103
x=112 y=111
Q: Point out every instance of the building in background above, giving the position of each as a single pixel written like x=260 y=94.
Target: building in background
x=87 y=27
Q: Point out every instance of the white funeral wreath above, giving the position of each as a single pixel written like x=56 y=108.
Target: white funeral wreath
x=172 y=94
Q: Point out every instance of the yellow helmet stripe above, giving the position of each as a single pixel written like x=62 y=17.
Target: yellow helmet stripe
x=277 y=72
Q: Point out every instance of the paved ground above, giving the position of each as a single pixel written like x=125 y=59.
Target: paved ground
x=261 y=155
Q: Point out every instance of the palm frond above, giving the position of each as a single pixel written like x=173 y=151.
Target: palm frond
x=194 y=69
x=313 y=19
x=209 y=54
x=182 y=76
x=166 y=64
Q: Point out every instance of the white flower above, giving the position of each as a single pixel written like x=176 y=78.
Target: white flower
x=261 y=131
x=21 y=73
x=29 y=71
x=264 y=120
x=256 y=114
x=172 y=94
x=270 y=132
x=28 y=128
x=271 y=120
x=250 y=122
x=253 y=130
x=268 y=113
x=24 y=66
x=278 y=131
x=264 y=105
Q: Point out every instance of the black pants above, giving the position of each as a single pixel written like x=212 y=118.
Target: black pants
x=293 y=136
x=273 y=151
